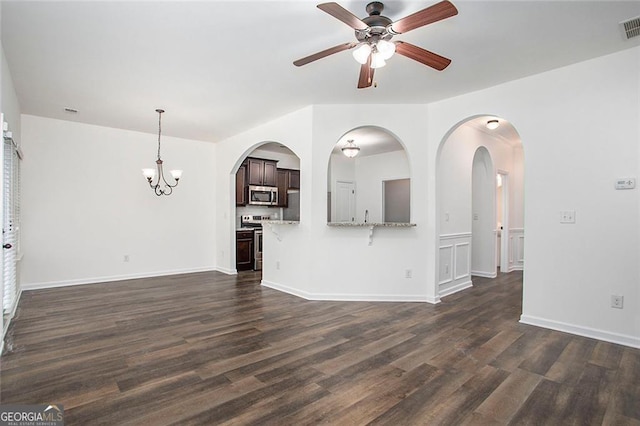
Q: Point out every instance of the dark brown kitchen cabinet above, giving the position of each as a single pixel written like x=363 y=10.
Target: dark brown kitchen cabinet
x=286 y=179
x=283 y=185
x=261 y=172
x=241 y=186
x=244 y=250
x=294 y=179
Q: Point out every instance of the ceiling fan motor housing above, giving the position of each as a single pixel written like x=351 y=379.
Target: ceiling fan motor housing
x=377 y=24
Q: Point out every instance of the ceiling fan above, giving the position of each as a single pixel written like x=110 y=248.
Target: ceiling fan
x=374 y=33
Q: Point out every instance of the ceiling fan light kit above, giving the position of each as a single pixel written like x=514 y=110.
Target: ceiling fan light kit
x=374 y=34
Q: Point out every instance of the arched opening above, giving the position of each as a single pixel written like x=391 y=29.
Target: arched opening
x=477 y=219
x=483 y=221
x=265 y=185
x=368 y=178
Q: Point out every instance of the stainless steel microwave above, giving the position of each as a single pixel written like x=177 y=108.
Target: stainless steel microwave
x=263 y=195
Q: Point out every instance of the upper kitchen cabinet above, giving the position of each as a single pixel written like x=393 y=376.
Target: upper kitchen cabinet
x=261 y=172
x=288 y=180
x=294 y=179
x=283 y=185
x=241 y=186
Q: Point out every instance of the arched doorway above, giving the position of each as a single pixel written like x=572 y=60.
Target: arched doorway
x=467 y=200
x=271 y=170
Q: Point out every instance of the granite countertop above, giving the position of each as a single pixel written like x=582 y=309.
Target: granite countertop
x=281 y=222
x=372 y=224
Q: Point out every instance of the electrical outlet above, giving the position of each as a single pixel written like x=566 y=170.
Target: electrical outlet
x=617 y=301
x=568 y=216
x=408 y=273
x=126 y=258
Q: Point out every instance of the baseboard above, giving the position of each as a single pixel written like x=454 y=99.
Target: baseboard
x=96 y=280
x=346 y=297
x=516 y=268
x=456 y=288
x=226 y=270
x=484 y=274
x=607 y=336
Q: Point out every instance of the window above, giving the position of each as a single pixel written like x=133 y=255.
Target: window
x=10 y=222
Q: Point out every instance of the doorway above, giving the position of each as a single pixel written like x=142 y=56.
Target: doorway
x=345 y=201
x=502 y=220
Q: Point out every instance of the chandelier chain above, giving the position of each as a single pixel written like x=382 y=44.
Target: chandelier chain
x=159 y=130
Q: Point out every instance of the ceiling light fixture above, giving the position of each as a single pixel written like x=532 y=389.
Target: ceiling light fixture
x=150 y=174
x=492 y=124
x=379 y=51
x=350 y=149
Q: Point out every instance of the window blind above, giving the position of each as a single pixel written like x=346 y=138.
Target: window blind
x=11 y=224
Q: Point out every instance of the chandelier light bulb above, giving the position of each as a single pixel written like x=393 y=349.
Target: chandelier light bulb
x=177 y=174
x=149 y=173
x=386 y=49
x=362 y=52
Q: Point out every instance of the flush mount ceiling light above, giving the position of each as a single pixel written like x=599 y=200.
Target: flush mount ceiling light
x=492 y=124
x=161 y=186
x=350 y=149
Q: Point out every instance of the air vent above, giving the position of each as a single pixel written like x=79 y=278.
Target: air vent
x=631 y=28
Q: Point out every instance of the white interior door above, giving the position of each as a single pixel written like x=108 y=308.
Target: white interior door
x=345 y=202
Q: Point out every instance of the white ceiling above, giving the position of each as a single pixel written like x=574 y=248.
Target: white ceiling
x=221 y=67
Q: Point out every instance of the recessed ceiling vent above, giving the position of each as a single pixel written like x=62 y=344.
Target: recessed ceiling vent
x=631 y=28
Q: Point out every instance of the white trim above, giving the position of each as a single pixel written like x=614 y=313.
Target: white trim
x=451 y=263
x=348 y=297
x=607 y=336
x=456 y=277
x=484 y=274
x=226 y=270
x=456 y=235
x=516 y=268
x=517 y=230
x=96 y=280
x=456 y=288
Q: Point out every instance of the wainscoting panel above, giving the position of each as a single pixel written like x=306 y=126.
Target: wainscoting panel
x=516 y=249
x=454 y=263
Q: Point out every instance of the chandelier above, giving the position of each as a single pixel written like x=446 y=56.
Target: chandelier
x=161 y=186
x=350 y=149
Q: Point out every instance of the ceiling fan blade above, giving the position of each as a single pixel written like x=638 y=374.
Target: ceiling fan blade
x=421 y=55
x=339 y=12
x=437 y=12
x=366 y=75
x=330 y=51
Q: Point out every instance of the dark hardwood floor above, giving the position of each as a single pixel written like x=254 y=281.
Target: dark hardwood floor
x=209 y=348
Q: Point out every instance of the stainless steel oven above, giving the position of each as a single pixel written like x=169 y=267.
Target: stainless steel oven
x=255 y=222
x=263 y=195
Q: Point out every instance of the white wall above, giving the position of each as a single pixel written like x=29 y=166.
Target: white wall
x=572 y=159
x=86 y=205
x=371 y=171
x=10 y=105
